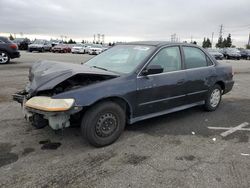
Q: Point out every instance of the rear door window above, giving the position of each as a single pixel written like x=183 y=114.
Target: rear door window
x=194 y=58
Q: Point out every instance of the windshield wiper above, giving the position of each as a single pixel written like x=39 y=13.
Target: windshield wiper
x=100 y=68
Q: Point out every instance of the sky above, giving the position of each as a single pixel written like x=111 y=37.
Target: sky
x=126 y=20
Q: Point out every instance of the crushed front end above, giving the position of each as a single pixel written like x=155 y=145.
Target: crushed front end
x=47 y=79
x=44 y=110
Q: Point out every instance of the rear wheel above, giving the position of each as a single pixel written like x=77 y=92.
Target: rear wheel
x=103 y=123
x=213 y=98
x=4 y=57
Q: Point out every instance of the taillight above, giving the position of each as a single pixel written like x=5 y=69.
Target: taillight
x=13 y=46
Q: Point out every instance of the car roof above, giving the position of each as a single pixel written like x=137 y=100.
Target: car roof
x=158 y=43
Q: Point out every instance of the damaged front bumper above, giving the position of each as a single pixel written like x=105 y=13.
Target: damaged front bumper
x=56 y=119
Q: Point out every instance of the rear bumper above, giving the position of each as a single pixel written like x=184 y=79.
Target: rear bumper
x=35 y=48
x=228 y=86
x=15 y=55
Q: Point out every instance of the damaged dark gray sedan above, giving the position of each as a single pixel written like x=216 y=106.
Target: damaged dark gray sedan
x=125 y=84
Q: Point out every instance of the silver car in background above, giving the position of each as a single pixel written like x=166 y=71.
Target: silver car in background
x=95 y=49
x=79 y=49
x=40 y=45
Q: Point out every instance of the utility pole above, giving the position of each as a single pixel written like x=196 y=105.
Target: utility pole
x=191 y=38
x=174 y=38
x=212 y=39
x=249 y=40
x=221 y=30
x=103 y=38
x=98 y=38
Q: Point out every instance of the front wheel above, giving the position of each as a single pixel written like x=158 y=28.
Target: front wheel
x=103 y=123
x=213 y=98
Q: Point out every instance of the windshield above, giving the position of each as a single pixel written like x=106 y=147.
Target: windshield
x=78 y=45
x=39 y=42
x=233 y=50
x=121 y=58
x=97 y=45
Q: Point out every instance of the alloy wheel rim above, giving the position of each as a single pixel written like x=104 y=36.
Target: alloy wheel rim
x=215 y=98
x=3 y=57
x=106 y=125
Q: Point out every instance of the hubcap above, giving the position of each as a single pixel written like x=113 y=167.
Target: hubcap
x=106 y=125
x=3 y=57
x=215 y=98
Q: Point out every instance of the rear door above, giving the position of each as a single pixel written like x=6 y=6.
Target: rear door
x=160 y=92
x=200 y=73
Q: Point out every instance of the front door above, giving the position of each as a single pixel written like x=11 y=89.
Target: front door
x=160 y=92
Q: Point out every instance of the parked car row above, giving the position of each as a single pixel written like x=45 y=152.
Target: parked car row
x=229 y=53
x=44 y=45
x=92 y=49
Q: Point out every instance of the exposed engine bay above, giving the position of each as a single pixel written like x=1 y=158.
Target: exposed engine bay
x=48 y=79
x=75 y=82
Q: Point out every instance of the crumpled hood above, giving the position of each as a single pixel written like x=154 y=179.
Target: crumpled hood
x=45 y=75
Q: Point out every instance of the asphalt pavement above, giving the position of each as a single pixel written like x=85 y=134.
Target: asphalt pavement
x=174 y=150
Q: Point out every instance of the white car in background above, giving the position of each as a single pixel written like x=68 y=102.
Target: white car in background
x=95 y=49
x=78 y=49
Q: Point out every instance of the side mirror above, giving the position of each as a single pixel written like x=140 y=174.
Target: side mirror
x=152 y=69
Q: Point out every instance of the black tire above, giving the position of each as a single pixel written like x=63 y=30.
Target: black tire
x=103 y=123
x=211 y=105
x=4 y=57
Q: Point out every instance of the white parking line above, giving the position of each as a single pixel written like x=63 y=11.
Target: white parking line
x=231 y=130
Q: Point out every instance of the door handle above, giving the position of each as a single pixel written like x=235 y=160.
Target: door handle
x=180 y=82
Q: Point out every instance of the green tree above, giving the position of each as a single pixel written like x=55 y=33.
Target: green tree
x=206 y=43
x=228 y=41
x=224 y=43
x=247 y=46
x=11 y=37
x=219 y=44
x=209 y=44
x=71 y=41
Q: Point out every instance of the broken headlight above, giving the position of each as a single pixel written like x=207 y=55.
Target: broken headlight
x=49 y=104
